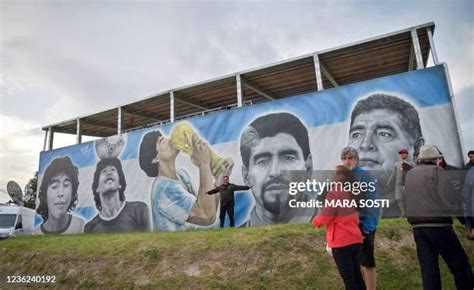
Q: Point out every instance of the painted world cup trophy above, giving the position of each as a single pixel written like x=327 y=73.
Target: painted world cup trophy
x=181 y=139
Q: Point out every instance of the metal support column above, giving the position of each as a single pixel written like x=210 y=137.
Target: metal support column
x=417 y=49
x=119 y=121
x=239 y=90
x=432 y=46
x=172 y=106
x=45 y=139
x=317 y=69
x=50 y=138
x=78 y=131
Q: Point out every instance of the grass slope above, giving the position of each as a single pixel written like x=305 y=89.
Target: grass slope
x=281 y=256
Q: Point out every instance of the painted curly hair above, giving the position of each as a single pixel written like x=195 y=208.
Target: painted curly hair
x=61 y=165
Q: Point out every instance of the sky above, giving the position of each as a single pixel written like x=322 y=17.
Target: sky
x=64 y=59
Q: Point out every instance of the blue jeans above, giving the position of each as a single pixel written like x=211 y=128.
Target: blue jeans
x=348 y=263
x=434 y=241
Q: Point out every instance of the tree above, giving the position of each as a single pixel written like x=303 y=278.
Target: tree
x=31 y=188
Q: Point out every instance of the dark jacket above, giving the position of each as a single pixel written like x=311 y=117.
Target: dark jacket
x=227 y=192
x=456 y=175
x=468 y=165
x=430 y=197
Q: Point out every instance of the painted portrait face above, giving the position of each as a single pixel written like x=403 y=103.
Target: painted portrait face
x=165 y=149
x=266 y=173
x=378 y=136
x=59 y=194
x=108 y=180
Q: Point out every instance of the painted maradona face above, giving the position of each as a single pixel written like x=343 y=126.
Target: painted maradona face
x=59 y=194
x=378 y=135
x=165 y=149
x=268 y=173
x=108 y=180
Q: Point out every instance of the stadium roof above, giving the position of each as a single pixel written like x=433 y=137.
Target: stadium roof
x=384 y=55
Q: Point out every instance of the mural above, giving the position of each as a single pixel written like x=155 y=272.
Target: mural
x=158 y=178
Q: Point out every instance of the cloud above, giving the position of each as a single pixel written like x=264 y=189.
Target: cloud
x=61 y=60
x=20 y=144
x=464 y=103
x=4 y=196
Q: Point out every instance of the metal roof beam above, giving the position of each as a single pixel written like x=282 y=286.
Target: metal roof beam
x=411 y=59
x=328 y=75
x=432 y=46
x=142 y=114
x=258 y=90
x=104 y=126
x=187 y=102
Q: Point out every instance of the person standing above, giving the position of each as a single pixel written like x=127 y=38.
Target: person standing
x=468 y=202
x=430 y=203
x=400 y=169
x=342 y=231
x=226 y=191
x=369 y=217
x=470 y=164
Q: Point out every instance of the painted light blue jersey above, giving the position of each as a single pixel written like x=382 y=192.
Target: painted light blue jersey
x=172 y=201
x=369 y=217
